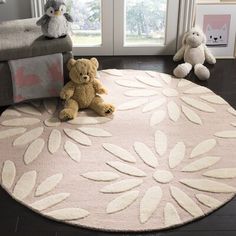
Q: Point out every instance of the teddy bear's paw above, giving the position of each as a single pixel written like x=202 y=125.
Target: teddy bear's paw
x=108 y=110
x=67 y=114
x=102 y=91
x=66 y=95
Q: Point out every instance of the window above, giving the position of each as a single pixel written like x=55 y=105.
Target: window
x=124 y=27
x=86 y=29
x=144 y=24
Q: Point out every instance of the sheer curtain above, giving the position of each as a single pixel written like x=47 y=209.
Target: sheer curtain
x=186 y=18
x=37 y=7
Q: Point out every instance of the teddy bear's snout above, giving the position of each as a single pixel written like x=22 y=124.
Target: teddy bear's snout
x=85 y=77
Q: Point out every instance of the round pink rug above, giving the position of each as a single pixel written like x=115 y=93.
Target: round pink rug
x=165 y=158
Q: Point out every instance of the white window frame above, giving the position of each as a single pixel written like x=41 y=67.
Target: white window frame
x=181 y=12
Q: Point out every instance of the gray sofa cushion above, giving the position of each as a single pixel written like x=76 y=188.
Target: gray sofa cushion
x=6 y=90
x=23 y=38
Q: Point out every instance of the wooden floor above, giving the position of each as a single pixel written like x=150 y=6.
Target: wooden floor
x=16 y=219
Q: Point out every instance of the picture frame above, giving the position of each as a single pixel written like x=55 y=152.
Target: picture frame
x=218 y=22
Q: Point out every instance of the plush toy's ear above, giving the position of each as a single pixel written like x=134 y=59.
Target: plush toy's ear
x=95 y=62
x=71 y=63
x=208 y=28
x=184 y=38
x=224 y=27
x=204 y=39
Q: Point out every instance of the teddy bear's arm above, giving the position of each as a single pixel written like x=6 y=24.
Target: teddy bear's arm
x=99 y=87
x=209 y=56
x=179 y=54
x=67 y=91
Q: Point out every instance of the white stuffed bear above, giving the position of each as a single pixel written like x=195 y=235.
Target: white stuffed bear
x=194 y=52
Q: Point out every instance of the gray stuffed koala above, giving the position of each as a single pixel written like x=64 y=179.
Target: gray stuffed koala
x=194 y=52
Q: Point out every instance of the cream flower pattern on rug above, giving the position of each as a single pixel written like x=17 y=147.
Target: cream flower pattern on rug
x=232 y=111
x=24 y=120
x=26 y=185
x=139 y=178
x=166 y=89
x=198 y=160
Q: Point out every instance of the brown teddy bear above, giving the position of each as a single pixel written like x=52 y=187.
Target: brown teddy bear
x=83 y=89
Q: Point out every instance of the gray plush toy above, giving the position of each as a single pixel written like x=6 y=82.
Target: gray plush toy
x=56 y=21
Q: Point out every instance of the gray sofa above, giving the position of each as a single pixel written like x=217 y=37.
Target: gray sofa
x=23 y=39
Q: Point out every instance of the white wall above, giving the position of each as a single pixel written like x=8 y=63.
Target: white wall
x=15 y=9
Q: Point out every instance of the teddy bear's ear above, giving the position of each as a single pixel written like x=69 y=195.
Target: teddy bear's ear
x=71 y=63
x=95 y=62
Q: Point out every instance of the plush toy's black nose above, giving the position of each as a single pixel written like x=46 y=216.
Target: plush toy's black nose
x=215 y=39
x=85 y=77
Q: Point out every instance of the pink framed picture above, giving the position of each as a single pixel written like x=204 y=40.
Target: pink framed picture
x=218 y=21
x=216 y=28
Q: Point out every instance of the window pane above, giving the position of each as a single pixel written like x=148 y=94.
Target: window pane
x=86 y=29
x=145 y=22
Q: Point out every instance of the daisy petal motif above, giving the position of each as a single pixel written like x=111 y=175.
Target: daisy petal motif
x=191 y=115
x=20 y=122
x=178 y=96
x=68 y=214
x=222 y=173
x=146 y=154
x=128 y=83
x=54 y=141
x=26 y=184
x=28 y=109
x=122 y=202
x=171 y=215
x=113 y=72
x=122 y=186
x=186 y=202
x=148 y=204
x=163 y=168
x=8 y=173
x=208 y=201
x=11 y=112
x=33 y=150
x=208 y=185
x=11 y=132
x=28 y=137
x=24 y=122
x=119 y=152
x=232 y=111
x=203 y=147
x=48 y=184
x=163 y=159
x=226 y=134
